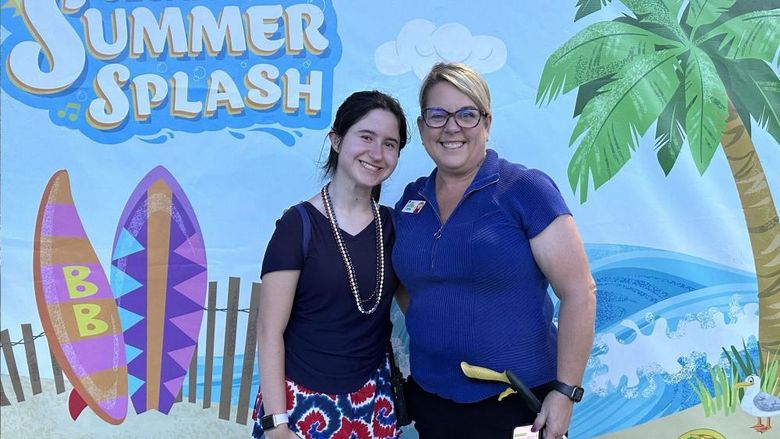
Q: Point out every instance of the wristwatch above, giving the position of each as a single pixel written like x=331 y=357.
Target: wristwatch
x=272 y=421
x=573 y=392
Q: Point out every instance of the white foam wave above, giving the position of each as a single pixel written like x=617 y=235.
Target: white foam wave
x=674 y=352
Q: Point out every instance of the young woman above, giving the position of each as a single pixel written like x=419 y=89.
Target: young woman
x=478 y=243
x=324 y=321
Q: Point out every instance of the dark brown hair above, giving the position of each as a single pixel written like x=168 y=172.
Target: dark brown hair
x=354 y=108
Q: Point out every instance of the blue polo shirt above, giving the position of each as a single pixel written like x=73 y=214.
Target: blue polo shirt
x=476 y=293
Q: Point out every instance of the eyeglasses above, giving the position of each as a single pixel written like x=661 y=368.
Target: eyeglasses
x=466 y=117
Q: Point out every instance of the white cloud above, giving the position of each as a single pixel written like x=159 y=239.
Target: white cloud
x=420 y=44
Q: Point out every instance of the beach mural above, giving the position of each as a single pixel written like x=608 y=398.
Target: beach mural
x=663 y=116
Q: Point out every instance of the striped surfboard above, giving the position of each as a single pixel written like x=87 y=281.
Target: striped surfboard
x=77 y=310
x=158 y=276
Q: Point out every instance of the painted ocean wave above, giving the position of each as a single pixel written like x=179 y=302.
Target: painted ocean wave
x=662 y=318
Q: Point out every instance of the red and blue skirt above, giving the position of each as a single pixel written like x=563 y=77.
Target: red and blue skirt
x=366 y=413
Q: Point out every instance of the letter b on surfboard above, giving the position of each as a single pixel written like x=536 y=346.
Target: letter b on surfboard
x=75 y=279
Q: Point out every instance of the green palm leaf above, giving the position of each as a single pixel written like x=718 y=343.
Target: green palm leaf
x=673 y=6
x=662 y=12
x=612 y=121
x=587 y=7
x=707 y=107
x=669 y=132
x=753 y=35
x=704 y=12
x=755 y=88
x=599 y=50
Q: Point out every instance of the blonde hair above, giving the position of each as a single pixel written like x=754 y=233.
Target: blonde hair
x=463 y=78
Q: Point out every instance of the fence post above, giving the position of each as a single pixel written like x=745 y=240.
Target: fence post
x=250 y=347
x=3 y=399
x=59 y=383
x=229 y=350
x=32 y=358
x=209 y=367
x=8 y=352
x=192 y=393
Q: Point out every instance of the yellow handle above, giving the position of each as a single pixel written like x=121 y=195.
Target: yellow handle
x=483 y=373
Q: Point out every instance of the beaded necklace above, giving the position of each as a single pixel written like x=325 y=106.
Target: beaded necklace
x=380 y=253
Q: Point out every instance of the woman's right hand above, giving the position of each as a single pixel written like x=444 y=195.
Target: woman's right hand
x=280 y=432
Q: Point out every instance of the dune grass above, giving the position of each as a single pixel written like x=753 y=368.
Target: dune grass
x=726 y=396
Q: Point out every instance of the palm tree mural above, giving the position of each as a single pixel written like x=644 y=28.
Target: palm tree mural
x=699 y=70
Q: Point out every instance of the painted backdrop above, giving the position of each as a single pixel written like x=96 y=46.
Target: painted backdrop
x=658 y=119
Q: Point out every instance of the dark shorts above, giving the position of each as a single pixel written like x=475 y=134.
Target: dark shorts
x=436 y=417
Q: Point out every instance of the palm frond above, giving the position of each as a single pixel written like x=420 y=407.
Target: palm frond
x=753 y=35
x=704 y=12
x=586 y=92
x=755 y=89
x=744 y=6
x=663 y=12
x=673 y=6
x=599 y=50
x=587 y=7
x=669 y=131
x=612 y=122
x=707 y=107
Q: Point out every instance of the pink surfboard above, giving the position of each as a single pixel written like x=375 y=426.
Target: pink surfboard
x=76 y=307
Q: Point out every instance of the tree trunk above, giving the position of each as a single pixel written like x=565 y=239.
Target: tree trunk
x=762 y=223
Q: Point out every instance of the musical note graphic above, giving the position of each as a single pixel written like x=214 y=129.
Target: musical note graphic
x=71 y=110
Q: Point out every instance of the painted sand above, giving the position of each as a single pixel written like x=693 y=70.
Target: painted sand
x=46 y=416
x=734 y=426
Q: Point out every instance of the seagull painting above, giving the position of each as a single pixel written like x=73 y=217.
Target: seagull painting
x=759 y=404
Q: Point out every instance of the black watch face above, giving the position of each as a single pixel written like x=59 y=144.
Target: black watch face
x=267 y=422
x=578 y=392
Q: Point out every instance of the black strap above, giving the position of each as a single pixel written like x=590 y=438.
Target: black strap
x=397 y=382
x=306 y=227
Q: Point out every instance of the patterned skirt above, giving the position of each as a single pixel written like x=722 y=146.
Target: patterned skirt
x=366 y=413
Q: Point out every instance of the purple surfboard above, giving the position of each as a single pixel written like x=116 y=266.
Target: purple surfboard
x=158 y=276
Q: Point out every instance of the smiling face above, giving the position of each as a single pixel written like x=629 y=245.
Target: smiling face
x=368 y=152
x=456 y=151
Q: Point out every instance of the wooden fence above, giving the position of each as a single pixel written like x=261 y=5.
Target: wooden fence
x=228 y=356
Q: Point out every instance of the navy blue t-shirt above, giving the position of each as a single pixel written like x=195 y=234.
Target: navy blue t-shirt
x=330 y=346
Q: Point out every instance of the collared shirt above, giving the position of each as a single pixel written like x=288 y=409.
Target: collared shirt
x=476 y=293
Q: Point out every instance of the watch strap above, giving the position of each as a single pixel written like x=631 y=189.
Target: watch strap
x=572 y=392
x=274 y=420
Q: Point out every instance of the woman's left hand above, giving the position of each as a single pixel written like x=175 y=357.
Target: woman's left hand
x=554 y=416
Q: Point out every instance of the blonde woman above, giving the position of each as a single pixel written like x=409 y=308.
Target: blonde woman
x=478 y=242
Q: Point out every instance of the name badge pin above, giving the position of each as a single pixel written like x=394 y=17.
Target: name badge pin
x=413 y=206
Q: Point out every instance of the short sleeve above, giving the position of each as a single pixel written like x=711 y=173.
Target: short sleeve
x=285 y=249
x=540 y=201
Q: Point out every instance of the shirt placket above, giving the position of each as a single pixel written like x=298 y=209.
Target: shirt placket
x=440 y=230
